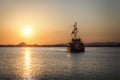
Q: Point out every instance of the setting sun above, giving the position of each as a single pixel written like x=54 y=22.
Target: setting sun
x=27 y=31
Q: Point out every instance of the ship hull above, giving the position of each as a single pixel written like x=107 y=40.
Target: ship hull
x=76 y=47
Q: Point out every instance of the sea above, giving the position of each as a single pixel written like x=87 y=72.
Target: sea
x=55 y=63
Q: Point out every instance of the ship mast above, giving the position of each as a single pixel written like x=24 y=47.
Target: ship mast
x=75 y=31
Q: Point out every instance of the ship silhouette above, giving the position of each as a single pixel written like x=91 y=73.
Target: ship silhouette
x=76 y=45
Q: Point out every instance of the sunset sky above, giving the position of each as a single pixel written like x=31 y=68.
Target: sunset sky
x=51 y=21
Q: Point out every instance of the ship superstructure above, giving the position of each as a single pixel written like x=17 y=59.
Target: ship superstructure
x=75 y=45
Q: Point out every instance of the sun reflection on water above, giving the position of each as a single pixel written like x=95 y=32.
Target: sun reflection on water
x=27 y=62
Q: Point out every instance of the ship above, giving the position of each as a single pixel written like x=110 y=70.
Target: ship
x=76 y=45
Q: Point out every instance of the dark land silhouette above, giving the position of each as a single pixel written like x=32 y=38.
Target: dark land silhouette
x=95 y=44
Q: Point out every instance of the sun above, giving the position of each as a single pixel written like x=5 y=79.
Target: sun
x=27 y=31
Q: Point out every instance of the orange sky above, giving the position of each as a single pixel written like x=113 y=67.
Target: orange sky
x=51 y=21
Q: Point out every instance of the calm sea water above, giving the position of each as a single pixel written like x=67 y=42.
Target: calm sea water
x=55 y=63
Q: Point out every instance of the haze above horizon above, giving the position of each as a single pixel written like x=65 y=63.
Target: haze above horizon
x=51 y=21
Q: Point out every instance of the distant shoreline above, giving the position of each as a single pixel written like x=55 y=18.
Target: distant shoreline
x=58 y=46
x=97 y=44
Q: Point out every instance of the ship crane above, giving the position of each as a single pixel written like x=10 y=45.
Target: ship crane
x=75 y=31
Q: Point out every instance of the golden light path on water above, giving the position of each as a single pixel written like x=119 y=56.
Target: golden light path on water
x=31 y=70
x=27 y=63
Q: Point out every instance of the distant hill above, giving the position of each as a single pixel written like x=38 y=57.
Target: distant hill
x=103 y=44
